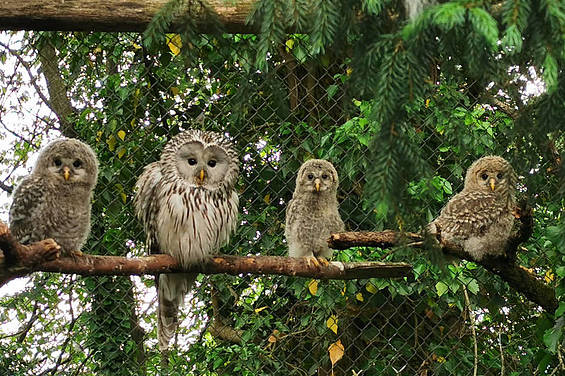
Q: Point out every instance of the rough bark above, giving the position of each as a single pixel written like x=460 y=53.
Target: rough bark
x=110 y=15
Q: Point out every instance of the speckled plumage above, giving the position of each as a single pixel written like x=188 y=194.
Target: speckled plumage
x=480 y=217
x=313 y=214
x=188 y=206
x=46 y=205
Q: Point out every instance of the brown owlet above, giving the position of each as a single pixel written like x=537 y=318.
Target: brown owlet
x=188 y=205
x=480 y=217
x=54 y=201
x=312 y=214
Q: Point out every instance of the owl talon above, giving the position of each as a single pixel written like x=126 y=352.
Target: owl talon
x=312 y=260
x=323 y=261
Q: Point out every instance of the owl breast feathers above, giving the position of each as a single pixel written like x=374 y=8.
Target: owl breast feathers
x=480 y=217
x=188 y=206
x=54 y=201
x=312 y=214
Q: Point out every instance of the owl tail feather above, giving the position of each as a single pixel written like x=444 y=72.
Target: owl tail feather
x=172 y=289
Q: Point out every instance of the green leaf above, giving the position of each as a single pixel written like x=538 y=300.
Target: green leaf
x=441 y=288
x=551 y=338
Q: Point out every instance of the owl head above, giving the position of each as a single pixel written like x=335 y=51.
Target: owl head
x=201 y=159
x=491 y=174
x=317 y=176
x=67 y=161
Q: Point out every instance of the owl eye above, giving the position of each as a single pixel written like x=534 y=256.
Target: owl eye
x=77 y=163
x=499 y=175
x=310 y=176
x=484 y=176
x=324 y=176
x=58 y=162
x=191 y=161
x=212 y=163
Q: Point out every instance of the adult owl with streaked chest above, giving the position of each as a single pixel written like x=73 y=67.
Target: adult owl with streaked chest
x=54 y=201
x=188 y=206
x=312 y=213
x=481 y=216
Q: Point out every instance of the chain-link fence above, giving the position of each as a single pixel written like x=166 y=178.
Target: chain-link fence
x=126 y=101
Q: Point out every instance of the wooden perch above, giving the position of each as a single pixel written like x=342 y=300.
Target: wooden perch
x=19 y=260
x=113 y=15
x=518 y=277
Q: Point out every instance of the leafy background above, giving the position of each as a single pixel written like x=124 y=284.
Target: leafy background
x=400 y=105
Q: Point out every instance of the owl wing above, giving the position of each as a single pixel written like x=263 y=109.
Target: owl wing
x=290 y=216
x=28 y=203
x=146 y=203
x=470 y=214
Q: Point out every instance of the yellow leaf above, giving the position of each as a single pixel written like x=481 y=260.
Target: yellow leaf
x=274 y=337
x=121 y=152
x=175 y=44
x=427 y=102
x=124 y=197
x=371 y=288
x=132 y=122
x=98 y=135
x=175 y=90
x=136 y=46
x=349 y=71
x=257 y=310
x=313 y=286
x=332 y=323
x=359 y=296
x=267 y=198
x=336 y=351
x=121 y=135
x=343 y=290
x=549 y=276
x=111 y=141
x=290 y=43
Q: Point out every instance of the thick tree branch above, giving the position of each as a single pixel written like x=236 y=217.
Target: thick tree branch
x=18 y=260
x=518 y=277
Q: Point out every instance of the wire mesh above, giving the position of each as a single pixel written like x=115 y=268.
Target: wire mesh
x=126 y=102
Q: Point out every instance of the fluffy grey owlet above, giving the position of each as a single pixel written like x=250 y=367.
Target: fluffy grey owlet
x=54 y=201
x=313 y=214
x=188 y=206
x=480 y=217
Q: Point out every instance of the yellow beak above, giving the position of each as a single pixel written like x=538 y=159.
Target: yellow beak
x=317 y=186
x=66 y=173
x=492 y=184
x=201 y=175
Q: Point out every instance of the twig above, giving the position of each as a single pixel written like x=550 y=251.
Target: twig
x=472 y=320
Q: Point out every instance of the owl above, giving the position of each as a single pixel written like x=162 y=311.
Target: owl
x=54 y=201
x=188 y=205
x=480 y=217
x=312 y=213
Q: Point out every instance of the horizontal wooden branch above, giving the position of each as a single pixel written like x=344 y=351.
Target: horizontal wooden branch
x=111 y=15
x=17 y=260
x=517 y=277
x=234 y=265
